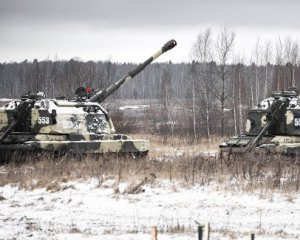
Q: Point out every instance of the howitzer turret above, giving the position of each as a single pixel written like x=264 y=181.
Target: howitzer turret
x=81 y=125
x=273 y=126
x=101 y=95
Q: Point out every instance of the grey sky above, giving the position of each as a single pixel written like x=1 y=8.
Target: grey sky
x=130 y=30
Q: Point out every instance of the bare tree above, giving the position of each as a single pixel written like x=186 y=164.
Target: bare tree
x=279 y=61
x=166 y=92
x=202 y=54
x=291 y=52
x=238 y=75
x=224 y=47
x=257 y=54
x=267 y=54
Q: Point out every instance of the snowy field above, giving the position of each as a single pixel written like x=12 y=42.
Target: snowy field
x=90 y=210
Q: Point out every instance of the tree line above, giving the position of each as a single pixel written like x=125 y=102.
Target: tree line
x=207 y=96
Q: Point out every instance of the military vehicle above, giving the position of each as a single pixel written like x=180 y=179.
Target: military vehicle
x=273 y=126
x=80 y=125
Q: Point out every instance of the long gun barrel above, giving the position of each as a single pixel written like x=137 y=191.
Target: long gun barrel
x=274 y=112
x=101 y=95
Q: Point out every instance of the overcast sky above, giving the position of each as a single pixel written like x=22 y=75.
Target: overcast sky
x=131 y=30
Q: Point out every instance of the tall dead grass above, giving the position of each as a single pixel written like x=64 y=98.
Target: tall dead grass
x=246 y=173
x=171 y=145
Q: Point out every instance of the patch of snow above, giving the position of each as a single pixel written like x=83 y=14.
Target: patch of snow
x=209 y=153
x=89 y=209
x=6 y=99
x=3 y=170
x=179 y=153
x=134 y=107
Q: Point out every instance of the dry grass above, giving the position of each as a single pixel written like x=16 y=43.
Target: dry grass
x=247 y=173
x=171 y=145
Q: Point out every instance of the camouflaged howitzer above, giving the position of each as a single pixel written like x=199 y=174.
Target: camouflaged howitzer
x=80 y=125
x=273 y=126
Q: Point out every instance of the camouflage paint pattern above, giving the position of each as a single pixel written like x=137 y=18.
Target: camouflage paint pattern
x=283 y=136
x=76 y=126
x=97 y=146
x=3 y=121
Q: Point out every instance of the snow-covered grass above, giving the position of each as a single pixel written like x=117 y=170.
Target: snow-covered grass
x=178 y=185
x=89 y=209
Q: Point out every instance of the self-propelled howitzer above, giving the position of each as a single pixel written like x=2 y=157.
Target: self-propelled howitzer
x=273 y=126
x=80 y=125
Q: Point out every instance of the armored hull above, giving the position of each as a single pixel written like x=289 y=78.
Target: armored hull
x=285 y=145
x=64 y=126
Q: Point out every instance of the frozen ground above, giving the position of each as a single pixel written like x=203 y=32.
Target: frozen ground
x=88 y=210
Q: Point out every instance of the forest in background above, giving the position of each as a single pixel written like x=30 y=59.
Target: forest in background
x=208 y=96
